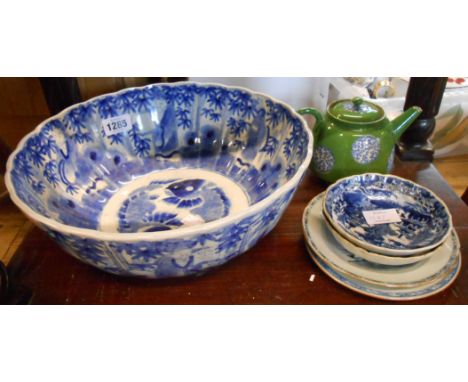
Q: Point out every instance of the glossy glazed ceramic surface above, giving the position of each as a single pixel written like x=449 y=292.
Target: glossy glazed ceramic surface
x=355 y=137
x=373 y=257
x=381 y=283
x=176 y=191
x=337 y=257
x=171 y=199
x=384 y=293
x=425 y=220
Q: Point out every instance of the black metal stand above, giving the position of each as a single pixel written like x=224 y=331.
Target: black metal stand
x=427 y=93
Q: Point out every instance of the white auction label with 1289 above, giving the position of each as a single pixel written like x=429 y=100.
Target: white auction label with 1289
x=115 y=125
x=382 y=216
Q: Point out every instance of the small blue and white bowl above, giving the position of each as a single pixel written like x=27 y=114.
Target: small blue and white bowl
x=163 y=180
x=425 y=221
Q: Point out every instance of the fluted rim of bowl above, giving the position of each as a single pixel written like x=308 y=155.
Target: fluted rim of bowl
x=372 y=247
x=161 y=235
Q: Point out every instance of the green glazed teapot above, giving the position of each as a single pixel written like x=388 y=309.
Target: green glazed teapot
x=355 y=137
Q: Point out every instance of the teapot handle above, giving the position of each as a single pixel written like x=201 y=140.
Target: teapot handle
x=313 y=112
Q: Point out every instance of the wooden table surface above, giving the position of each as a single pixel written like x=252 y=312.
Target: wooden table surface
x=276 y=271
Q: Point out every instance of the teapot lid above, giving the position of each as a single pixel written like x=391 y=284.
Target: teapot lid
x=356 y=110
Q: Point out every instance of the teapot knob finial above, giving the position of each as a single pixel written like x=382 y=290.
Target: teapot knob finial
x=357 y=101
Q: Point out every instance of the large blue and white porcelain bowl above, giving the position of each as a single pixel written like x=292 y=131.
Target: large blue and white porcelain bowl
x=387 y=214
x=163 y=180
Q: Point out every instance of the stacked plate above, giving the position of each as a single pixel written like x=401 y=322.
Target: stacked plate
x=383 y=236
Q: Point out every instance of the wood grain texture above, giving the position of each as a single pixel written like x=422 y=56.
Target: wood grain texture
x=276 y=271
x=455 y=172
x=14 y=228
x=21 y=96
x=22 y=108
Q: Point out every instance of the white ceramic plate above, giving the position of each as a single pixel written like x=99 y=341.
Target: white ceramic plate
x=335 y=256
x=394 y=294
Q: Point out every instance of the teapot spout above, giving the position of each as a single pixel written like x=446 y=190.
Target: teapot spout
x=403 y=121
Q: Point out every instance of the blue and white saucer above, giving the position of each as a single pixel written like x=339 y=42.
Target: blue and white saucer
x=375 y=257
x=406 y=282
x=423 y=220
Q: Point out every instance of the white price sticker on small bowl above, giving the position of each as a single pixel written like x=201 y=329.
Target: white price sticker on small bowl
x=381 y=216
x=115 y=125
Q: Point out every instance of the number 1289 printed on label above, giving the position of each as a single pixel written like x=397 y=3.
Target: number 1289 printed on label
x=115 y=125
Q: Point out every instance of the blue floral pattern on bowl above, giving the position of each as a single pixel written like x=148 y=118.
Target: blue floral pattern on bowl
x=323 y=159
x=191 y=198
x=365 y=149
x=186 y=254
x=425 y=220
x=68 y=171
